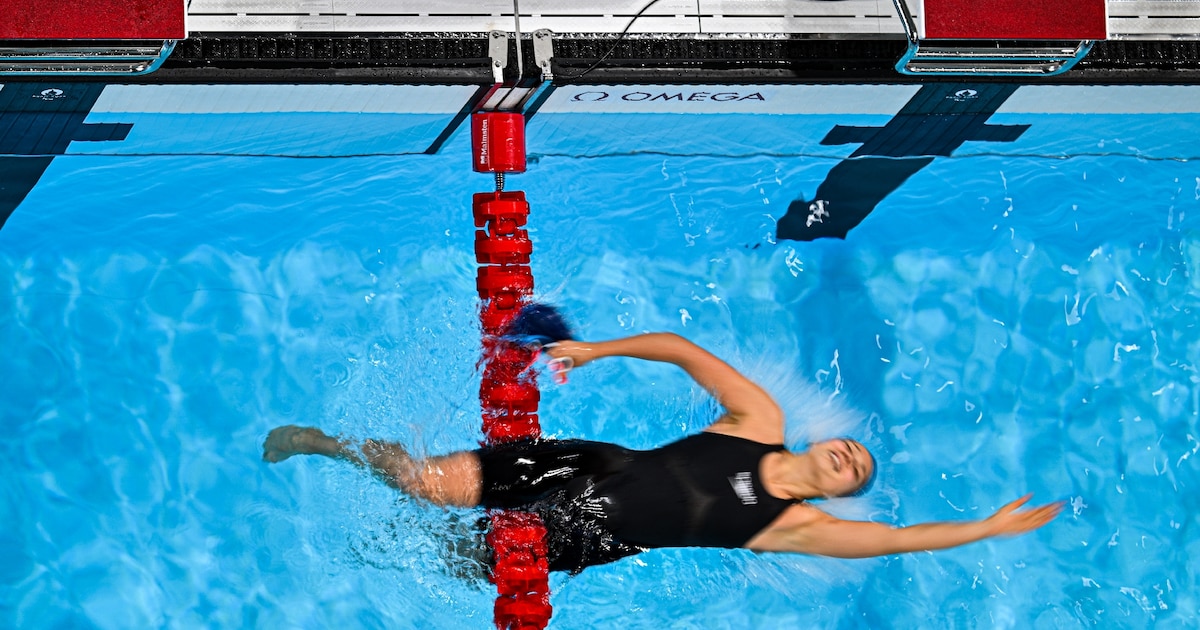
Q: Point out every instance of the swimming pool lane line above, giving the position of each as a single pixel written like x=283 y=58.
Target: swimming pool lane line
x=509 y=397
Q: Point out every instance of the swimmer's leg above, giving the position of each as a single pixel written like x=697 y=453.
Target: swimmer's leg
x=452 y=479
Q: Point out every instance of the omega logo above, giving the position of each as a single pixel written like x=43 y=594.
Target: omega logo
x=666 y=96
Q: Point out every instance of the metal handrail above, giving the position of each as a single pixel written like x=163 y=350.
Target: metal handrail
x=1001 y=54
x=996 y=70
x=951 y=60
x=84 y=59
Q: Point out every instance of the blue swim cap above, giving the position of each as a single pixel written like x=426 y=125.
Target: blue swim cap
x=540 y=323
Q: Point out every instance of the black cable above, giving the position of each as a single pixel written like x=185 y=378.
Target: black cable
x=613 y=49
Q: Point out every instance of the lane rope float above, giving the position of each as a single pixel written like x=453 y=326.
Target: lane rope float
x=508 y=392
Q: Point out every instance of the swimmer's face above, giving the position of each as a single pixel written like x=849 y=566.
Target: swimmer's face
x=843 y=466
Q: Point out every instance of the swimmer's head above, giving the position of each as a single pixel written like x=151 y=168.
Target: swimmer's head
x=844 y=467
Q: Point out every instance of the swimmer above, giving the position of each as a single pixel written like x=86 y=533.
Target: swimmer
x=732 y=485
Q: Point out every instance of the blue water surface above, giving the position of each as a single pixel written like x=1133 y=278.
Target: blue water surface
x=1013 y=319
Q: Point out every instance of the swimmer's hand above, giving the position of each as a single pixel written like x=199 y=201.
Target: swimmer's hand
x=570 y=353
x=1011 y=520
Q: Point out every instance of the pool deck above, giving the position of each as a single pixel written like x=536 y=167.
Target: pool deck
x=848 y=19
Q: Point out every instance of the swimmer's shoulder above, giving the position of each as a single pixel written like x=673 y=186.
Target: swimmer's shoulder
x=780 y=534
x=764 y=433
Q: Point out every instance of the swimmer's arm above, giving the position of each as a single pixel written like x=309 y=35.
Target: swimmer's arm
x=740 y=396
x=828 y=536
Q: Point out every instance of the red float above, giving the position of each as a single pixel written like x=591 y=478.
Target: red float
x=505 y=211
x=504 y=288
x=494 y=316
x=526 y=611
x=502 y=242
x=503 y=250
x=510 y=396
x=505 y=428
x=498 y=142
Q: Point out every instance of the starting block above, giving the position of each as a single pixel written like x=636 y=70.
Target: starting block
x=999 y=37
x=88 y=37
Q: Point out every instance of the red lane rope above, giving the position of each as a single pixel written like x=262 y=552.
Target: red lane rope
x=508 y=392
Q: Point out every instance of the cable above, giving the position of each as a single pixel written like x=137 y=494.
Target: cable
x=517 y=25
x=615 y=43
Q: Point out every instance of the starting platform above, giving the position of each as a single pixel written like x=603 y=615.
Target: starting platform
x=88 y=37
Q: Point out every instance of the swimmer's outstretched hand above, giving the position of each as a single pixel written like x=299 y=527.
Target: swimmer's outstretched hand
x=570 y=353
x=1011 y=520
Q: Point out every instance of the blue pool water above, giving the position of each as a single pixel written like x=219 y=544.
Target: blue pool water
x=1016 y=317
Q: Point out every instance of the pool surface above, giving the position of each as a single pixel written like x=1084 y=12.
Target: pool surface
x=1013 y=310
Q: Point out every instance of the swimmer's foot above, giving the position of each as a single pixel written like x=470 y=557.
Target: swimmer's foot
x=283 y=442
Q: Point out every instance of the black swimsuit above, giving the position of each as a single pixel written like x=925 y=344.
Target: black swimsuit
x=601 y=502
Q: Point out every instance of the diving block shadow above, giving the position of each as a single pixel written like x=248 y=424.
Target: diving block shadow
x=935 y=122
